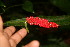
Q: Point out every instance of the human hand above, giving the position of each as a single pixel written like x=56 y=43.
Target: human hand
x=10 y=39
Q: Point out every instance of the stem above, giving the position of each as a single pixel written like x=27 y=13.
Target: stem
x=14 y=6
x=10 y=7
x=26 y=26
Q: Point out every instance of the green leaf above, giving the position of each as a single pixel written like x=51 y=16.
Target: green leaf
x=62 y=4
x=61 y=20
x=17 y=22
x=2 y=4
x=28 y=6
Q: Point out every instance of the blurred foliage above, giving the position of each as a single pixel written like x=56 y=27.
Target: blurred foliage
x=35 y=8
x=62 y=4
x=56 y=44
x=1 y=4
x=27 y=6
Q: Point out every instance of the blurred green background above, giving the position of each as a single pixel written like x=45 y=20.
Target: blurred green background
x=14 y=13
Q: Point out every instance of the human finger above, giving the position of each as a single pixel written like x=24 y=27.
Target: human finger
x=9 y=30
x=4 y=41
x=17 y=37
x=1 y=24
x=34 y=43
